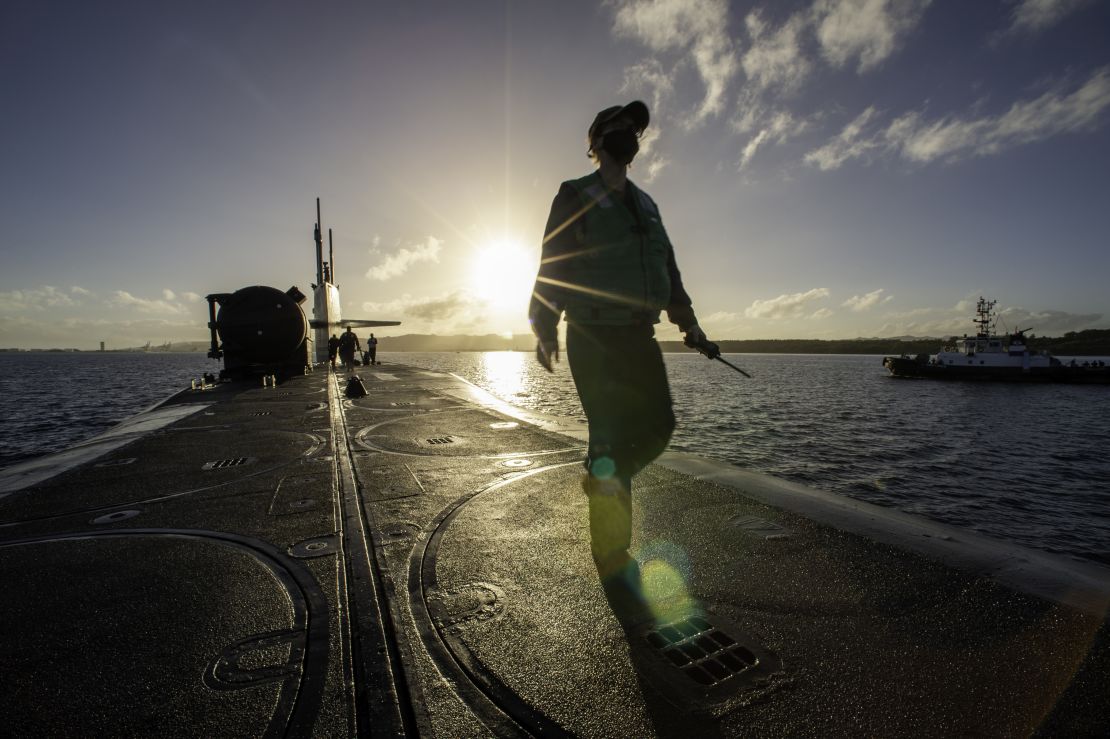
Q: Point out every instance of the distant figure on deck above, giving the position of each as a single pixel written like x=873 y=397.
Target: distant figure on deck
x=333 y=349
x=348 y=345
x=608 y=264
x=372 y=349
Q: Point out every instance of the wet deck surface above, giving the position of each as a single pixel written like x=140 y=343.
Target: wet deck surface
x=285 y=561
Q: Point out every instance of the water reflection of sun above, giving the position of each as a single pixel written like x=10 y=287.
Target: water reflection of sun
x=504 y=372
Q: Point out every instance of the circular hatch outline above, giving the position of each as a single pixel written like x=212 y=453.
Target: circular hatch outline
x=362 y=442
x=496 y=704
x=301 y=695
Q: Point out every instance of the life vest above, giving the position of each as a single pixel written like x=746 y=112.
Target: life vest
x=619 y=276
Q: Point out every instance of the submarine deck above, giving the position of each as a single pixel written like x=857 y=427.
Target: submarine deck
x=249 y=561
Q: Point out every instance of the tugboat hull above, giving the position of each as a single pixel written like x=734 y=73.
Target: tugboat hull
x=921 y=367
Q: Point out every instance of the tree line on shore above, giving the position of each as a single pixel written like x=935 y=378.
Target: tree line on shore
x=1092 y=342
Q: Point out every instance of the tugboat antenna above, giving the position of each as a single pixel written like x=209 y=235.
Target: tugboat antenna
x=983 y=317
x=319 y=247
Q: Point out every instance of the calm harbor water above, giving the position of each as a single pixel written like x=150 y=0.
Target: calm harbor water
x=1025 y=463
x=52 y=400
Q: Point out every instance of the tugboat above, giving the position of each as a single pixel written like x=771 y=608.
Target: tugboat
x=988 y=356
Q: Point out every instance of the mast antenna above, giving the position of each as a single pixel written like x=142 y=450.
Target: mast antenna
x=319 y=247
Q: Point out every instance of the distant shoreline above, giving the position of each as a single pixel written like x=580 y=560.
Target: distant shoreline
x=1092 y=342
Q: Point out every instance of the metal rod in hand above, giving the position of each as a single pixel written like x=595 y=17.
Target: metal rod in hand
x=712 y=351
x=730 y=364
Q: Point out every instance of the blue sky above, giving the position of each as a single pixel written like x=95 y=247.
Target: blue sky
x=825 y=168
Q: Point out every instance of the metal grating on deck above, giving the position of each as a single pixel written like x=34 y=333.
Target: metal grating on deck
x=220 y=464
x=704 y=653
x=441 y=440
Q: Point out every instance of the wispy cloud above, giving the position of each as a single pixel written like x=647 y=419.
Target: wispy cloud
x=956 y=321
x=773 y=128
x=861 y=303
x=952 y=138
x=775 y=57
x=779 y=57
x=655 y=166
x=1033 y=16
x=438 y=309
x=115 y=332
x=695 y=28
x=864 y=31
x=648 y=157
x=47 y=296
x=651 y=76
x=723 y=323
x=1046 y=322
x=124 y=299
x=1053 y=113
x=794 y=305
x=454 y=311
x=398 y=263
x=850 y=143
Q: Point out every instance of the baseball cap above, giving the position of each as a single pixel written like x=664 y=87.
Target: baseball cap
x=636 y=111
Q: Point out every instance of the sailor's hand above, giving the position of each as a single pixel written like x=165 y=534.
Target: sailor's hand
x=696 y=339
x=547 y=352
x=695 y=336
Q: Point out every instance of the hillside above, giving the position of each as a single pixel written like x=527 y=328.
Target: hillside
x=1092 y=342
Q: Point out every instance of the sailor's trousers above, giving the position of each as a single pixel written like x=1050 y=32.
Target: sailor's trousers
x=622 y=383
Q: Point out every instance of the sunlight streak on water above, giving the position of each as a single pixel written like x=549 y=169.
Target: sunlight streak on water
x=504 y=373
x=1022 y=463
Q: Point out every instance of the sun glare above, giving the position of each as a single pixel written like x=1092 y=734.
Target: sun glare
x=502 y=274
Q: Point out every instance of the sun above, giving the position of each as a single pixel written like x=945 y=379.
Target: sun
x=502 y=273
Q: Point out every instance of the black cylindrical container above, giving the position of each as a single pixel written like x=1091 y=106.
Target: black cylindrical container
x=260 y=324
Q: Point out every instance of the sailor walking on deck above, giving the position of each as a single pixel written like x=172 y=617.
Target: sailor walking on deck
x=608 y=264
x=348 y=345
x=372 y=350
x=333 y=349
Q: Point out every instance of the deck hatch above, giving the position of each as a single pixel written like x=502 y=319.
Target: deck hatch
x=220 y=464
x=704 y=653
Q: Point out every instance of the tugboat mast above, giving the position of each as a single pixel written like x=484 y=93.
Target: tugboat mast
x=983 y=317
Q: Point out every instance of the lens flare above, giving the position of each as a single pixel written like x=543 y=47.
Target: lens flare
x=665 y=573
